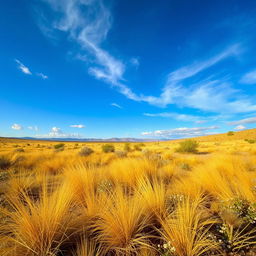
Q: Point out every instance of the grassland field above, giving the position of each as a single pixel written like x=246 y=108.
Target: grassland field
x=143 y=199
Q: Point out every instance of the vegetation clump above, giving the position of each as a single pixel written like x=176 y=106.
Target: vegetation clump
x=59 y=145
x=127 y=147
x=188 y=146
x=121 y=154
x=153 y=202
x=230 y=133
x=85 y=151
x=20 y=150
x=137 y=147
x=5 y=163
x=107 y=148
x=250 y=141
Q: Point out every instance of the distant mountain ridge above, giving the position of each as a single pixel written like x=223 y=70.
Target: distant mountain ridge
x=89 y=139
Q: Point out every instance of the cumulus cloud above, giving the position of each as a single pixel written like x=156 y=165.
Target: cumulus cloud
x=251 y=120
x=181 y=132
x=249 y=78
x=116 y=105
x=56 y=132
x=23 y=68
x=77 y=126
x=240 y=127
x=17 y=127
x=33 y=128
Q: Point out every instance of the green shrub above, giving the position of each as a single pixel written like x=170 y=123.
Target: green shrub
x=58 y=146
x=85 y=151
x=137 y=147
x=188 y=146
x=20 y=150
x=127 y=147
x=121 y=153
x=230 y=133
x=106 y=148
x=185 y=166
x=59 y=149
x=250 y=141
x=5 y=163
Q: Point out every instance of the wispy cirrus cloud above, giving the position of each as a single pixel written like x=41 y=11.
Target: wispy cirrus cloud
x=23 y=68
x=189 y=118
x=77 y=126
x=116 y=105
x=43 y=76
x=88 y=30
x=88 y=22
x=204 y=94
x=17 y=127
x=251 y=120
x=135 y=62
x=33 y=128
x=249 y=78
x=176 y=116
x=181 y=132
x=27 y=71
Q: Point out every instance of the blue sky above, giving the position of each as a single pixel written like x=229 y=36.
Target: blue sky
x=150 y=69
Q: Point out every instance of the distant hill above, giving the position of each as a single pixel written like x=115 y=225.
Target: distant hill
x=238 y=135
x=80 y=139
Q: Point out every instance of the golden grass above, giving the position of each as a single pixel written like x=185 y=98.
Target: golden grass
x=150 y=202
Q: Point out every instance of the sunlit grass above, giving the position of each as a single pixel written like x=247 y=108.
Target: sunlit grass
x=148 y=202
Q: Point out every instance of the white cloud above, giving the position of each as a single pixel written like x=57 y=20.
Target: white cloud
x=116 y=105
x=200 y=121
x=23 y=68
x=249 y=78
x=56 y=132
x=135 y=62
x=27 y=71
x=33 y=128
x=17 y=127
x=89 y=31
x=89 y=28
x=77 y=126
x=188 y=118
x=251 y=120
x=176 y=116
x=181 y=132
x=43 y=76
x=240 y=127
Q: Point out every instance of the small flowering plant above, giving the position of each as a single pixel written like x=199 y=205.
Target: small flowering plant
x=173 y=201
x=166 y=249
x=242 y=209
x=236 y=239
